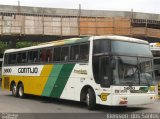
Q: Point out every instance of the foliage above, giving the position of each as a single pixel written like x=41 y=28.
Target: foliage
x=20 y=44
x=3 y=46
x=23 y=44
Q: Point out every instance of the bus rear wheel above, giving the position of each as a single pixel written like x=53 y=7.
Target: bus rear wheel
x=90 y=99
x=21 y=90
x=14 y=90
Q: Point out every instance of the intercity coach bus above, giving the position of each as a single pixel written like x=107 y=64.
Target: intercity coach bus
x=155 y=49
x=106 y=70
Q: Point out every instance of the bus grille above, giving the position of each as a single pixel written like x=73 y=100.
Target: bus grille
x=6 y=82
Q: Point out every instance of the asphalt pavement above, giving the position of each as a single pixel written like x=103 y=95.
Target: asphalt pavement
x=46 y=108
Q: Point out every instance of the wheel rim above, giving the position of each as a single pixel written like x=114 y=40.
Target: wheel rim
x=14 y=89
x=87 y=99
x=20 y=91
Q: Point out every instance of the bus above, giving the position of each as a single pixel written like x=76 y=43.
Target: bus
x=1 y=60
x=105 y=70
x=155 y=49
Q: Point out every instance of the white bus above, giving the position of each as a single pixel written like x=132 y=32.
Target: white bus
x=1 y=60
x=106 y=70
x=155 y=49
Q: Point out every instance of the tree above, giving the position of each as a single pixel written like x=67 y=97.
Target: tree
x=23 y=44
x=3 y=46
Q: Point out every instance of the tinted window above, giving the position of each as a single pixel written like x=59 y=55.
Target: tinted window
x=64 y=53
x=101 y=46
x=42 y=55
x=104 y=71
x=45 y=55
x=75 y=52
x=156 y=61
x=126 y=48
x=156 y=53
x=21 y=58
x=12 y=59
x=32 y=56
x=48 y=55
x=96 y=72
x=84 y=51
x=6 y=59
x=57 y=54
x=1 y=55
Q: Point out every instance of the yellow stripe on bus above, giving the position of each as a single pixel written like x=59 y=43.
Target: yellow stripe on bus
x=42 y=79
x=33 y=84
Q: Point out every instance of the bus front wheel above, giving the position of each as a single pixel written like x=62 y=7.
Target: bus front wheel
x=91 y=99
x=21 y=90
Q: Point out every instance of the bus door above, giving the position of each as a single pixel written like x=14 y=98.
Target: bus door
x=104 y=71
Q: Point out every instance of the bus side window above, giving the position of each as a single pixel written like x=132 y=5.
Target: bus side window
x=75 y=52
x=6 y=59
x=64 y=53
x=19 y=58
x=35 y=56
x=42 y=56
x=48 y=55
x=24 y=57
x=12 y=59
x=29 y=56
x=32 y=56
x=84 y=51
x=57 y=54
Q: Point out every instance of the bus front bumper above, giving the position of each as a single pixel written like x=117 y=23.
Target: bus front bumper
x=134 y=99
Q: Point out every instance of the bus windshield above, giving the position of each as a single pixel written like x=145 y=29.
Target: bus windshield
x=122 y=63
x=133 y=71
x=130 y=48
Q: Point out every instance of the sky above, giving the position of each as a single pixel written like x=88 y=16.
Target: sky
x=147 y=6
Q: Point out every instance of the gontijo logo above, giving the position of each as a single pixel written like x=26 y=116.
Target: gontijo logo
x=28 y=70
x=23 y=70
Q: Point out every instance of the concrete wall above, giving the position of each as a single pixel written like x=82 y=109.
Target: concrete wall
x=75 y=12
x=22 y=20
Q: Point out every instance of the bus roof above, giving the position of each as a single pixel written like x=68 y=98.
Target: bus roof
x=122 y=38
x=78 y=40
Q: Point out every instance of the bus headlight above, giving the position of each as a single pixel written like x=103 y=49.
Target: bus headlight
x=123 y=100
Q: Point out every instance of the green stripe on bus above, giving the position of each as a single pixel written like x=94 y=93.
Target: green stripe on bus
x=62 y=80
x=52 y=79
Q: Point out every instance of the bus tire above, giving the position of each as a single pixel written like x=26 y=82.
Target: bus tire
x=21 y=90
x=14 y=89
x=90 y=99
